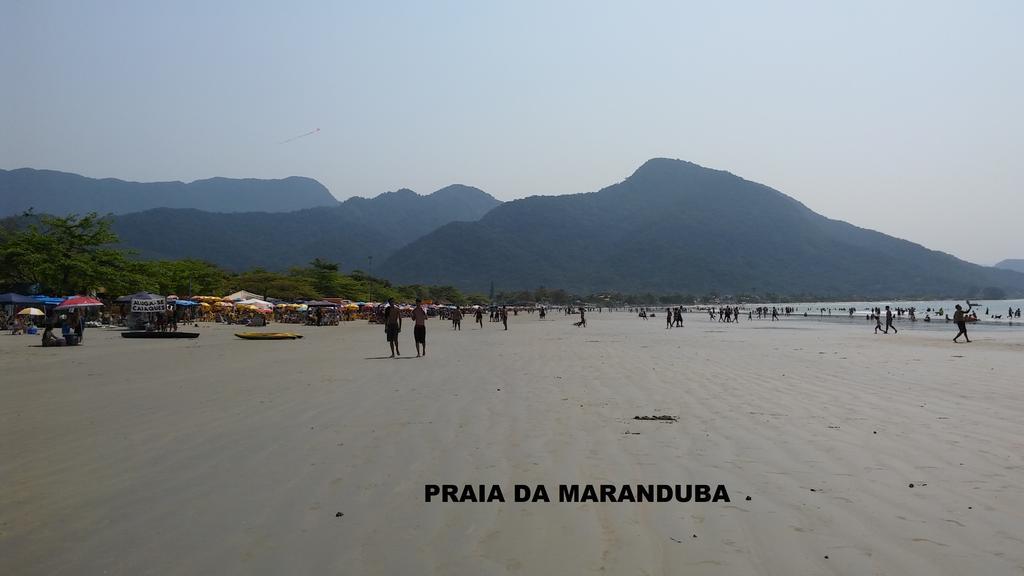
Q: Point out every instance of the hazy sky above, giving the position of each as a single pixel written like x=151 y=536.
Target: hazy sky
x=904 y=117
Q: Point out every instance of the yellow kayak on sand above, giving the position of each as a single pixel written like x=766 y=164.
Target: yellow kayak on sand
x=268 y=335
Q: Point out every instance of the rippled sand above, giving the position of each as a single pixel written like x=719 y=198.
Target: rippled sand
x=224 y=456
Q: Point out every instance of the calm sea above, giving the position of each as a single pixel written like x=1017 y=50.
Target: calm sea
x=987 y=310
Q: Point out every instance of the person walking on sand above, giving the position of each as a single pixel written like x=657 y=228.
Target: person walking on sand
x=504 y=317
x=888 y=321
x=392 y=326
x=668 y=318
x=583 y=318
x=457 y=319
x=419 y=329
x=960 y=319
x=877 y=314
x=480 y=317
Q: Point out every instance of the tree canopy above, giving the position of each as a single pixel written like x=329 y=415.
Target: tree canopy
x=79 y=254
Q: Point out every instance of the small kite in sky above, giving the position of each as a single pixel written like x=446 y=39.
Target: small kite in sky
x=310 y=133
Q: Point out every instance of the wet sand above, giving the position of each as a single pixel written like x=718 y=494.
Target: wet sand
x=224 y=456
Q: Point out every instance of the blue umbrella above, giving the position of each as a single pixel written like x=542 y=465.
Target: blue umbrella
x=48 y=300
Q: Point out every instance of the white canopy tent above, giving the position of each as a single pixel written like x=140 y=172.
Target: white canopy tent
x=243 y=295
x=254 y=302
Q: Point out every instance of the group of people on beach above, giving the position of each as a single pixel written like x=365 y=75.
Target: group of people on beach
x=674 y=317
x=877 y=315
x=393 y=326
x=762 y=312
x=725 y=314
x=392 y=318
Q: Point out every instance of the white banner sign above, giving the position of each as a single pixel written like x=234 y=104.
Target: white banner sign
x=158 y=305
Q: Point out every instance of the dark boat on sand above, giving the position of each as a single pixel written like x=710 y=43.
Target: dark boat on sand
x=144 y=334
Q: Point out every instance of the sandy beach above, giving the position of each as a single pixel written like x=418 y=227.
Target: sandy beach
x=224 y=456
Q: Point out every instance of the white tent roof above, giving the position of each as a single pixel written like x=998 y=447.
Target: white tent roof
x=242 y=295
x=254 y=302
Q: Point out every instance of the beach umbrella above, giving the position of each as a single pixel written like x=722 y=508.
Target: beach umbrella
x=31 y=312
x=79 y=302
x=12 y=298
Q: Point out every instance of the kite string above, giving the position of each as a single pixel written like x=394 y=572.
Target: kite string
x=310 y=133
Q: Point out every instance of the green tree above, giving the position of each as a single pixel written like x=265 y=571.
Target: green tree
x=275 y=285
x=324 y=276
x=184 y=277
x=64 y=254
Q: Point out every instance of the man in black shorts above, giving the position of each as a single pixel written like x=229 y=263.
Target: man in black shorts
x=392 y=326
x=419 y=330
x=960 y=319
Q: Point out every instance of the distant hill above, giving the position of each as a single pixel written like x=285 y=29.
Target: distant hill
x=1011 y=264
x=676 y=227
x=347 y=233
x=62 y=193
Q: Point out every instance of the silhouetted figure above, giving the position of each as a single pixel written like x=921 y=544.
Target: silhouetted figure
x=392 y=326
x=888 y=321
x=960 y=319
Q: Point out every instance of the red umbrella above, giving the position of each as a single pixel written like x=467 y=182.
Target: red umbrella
x=79 y=302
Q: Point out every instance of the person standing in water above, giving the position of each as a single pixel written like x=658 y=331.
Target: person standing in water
x=960 y=319
x=392 y=326
x=419 y=329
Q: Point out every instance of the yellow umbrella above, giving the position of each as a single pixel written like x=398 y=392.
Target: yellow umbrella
x=31 y=312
